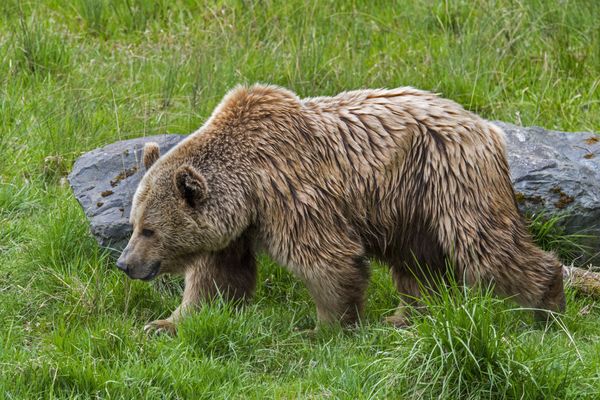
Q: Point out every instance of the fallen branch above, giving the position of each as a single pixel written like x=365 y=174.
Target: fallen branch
x=584 y=280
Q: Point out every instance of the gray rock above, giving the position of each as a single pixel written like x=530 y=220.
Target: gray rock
x=104 y=181
x=556 y=172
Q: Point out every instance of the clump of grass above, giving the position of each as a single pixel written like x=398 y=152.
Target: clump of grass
x=95 y=14
x=105 y=18
x=452 y=17
x=169 y=83
x=220 y=329
x=39 y=51
x=16 y=198
x=16 y=202
x=467 y=344
x=7 y=116
x=10 y=8
x=549 y=233
x=135 y=15
x=470 y=344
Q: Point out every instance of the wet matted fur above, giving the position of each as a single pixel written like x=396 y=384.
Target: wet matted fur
x=322 y=184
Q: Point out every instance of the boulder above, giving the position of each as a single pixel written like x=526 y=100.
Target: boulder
x=104 y=181
x=555 y=172
x=558 y=173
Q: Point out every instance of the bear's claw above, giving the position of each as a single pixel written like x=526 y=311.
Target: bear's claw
x=397 y=321
x=160 y=326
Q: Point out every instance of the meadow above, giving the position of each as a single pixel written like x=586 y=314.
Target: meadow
x=75 y=75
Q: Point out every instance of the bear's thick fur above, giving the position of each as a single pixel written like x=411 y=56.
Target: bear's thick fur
x=323 y=184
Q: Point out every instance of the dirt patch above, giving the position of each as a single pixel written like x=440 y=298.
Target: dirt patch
x=563 y=198
x=522 y=198
x=556 y=190
x=124 y=174
x=592 y=140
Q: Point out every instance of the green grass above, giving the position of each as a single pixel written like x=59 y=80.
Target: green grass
x=77 y=75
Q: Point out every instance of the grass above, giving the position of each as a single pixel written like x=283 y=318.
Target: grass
x=548 y=233
x=77 y=75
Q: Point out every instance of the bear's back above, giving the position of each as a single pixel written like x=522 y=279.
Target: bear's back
x=370 y=134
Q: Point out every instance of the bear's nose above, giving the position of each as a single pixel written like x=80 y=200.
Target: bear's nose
x=121 y=265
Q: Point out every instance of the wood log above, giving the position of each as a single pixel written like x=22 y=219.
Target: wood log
x=584 y=280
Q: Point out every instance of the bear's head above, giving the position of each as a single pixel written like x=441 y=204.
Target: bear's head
x=175 y=214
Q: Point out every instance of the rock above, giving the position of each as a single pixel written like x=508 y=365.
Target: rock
x=558 y=173
x=553 y=171
x=104 y=181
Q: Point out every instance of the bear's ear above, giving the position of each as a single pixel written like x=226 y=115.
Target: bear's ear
x=191 y=185
x=150 y=154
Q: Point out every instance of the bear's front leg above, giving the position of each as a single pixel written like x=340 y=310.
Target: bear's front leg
x=192 y=297
x=161 y=326
x=229 y=273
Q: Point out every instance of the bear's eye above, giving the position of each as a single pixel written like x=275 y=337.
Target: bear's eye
x=147 y=232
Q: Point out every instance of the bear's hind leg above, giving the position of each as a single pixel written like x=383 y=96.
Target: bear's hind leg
x=413 y=280
x=534 y=279
x=543 y=277
x=408 y=289
x=554 y=297
x=418 y=265
x=339 y=290
x=527 y=274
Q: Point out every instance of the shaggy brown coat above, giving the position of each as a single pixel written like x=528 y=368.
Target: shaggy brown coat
x=323 y=184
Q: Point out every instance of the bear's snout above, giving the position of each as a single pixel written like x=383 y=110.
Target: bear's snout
x=136 y=270
x=121 y=264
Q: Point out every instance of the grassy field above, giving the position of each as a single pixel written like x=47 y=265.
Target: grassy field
x=78 y=74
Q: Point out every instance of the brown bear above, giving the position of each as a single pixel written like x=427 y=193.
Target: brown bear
x=324 y=184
